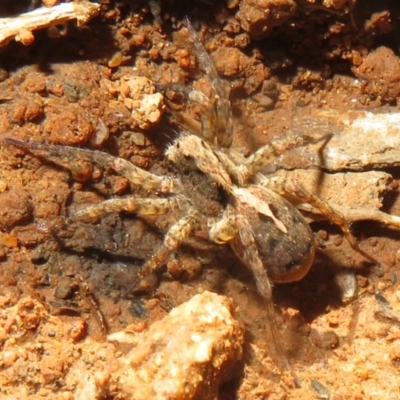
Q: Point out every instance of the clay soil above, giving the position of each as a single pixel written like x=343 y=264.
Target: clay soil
x=65 y=284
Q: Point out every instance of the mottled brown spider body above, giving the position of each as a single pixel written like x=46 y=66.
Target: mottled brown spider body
x=280 y=234
x=288 y=256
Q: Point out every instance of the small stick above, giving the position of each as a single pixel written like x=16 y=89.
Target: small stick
x=94 y=303
x=21 y=27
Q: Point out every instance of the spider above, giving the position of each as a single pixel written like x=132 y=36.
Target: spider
x=220 y=188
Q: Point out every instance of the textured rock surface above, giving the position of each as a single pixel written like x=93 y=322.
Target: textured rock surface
x=188 y=354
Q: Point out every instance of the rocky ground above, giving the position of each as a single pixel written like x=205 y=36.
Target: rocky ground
x=301 y=69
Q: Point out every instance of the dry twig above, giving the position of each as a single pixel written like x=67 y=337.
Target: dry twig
x=21 y=26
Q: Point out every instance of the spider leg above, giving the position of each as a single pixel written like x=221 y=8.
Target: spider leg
x=141 y=206
x=223 y=230
x=362 y=213
x=289 y=188
x=209 y=114
x=147 y=279
x=234 y=228
x=223 y=124
x=205 y=128
x=266 y=154
x=252 y=259
x=216 y=114
x=137 y=176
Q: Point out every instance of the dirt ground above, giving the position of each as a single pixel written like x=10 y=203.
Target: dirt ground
x=65 y=284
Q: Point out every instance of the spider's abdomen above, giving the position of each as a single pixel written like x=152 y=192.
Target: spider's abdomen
x=284 y=240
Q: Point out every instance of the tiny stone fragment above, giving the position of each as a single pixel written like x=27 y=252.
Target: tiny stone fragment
x=324 y=339
x=321 y=390
x=69 y=127
x=380 y=72
x=138 y=94
x=347 y=282
x=384 y=310
x=25 y=37
x=15 y=208
x=258 y=17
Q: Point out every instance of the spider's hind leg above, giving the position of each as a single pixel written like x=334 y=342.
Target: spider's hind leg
x=293 y=190
x=245 y=243
x=147 y=279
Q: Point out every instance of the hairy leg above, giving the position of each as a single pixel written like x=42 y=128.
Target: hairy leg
x=295 y=190
x=141 y=206
x=223 y=230
x=137 y=176
x=147 y=279
x=223 y=121
x=253 y=261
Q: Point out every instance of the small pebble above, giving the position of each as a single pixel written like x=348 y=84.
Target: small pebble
x=362 y=373
x=333 y=321
x=9 y=241
x=381 y=285
x=137 y=328
x=338 y=241
x=3 y=186
x=138 y=309
x=116 y=60
x=324 y=339
x=323 y=234
x=15 y=208
x=347 y=282
x=9 y=357
x=138 y=138
x=78 y=330
x=100 y=134
x=63 y=291
x=321 y=391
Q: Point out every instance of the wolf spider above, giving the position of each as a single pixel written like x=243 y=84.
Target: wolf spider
x=217 y=186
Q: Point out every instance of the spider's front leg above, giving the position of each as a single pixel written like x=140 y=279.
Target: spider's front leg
x=223 y=230
x=135 y=175
x=216 y=122
x=222 y=131
x=265 y=155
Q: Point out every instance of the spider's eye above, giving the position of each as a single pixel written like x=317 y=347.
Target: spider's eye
x=189 y=159
x=292 y=264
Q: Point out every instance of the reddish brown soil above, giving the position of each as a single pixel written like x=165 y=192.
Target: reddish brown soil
x=334 y=56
